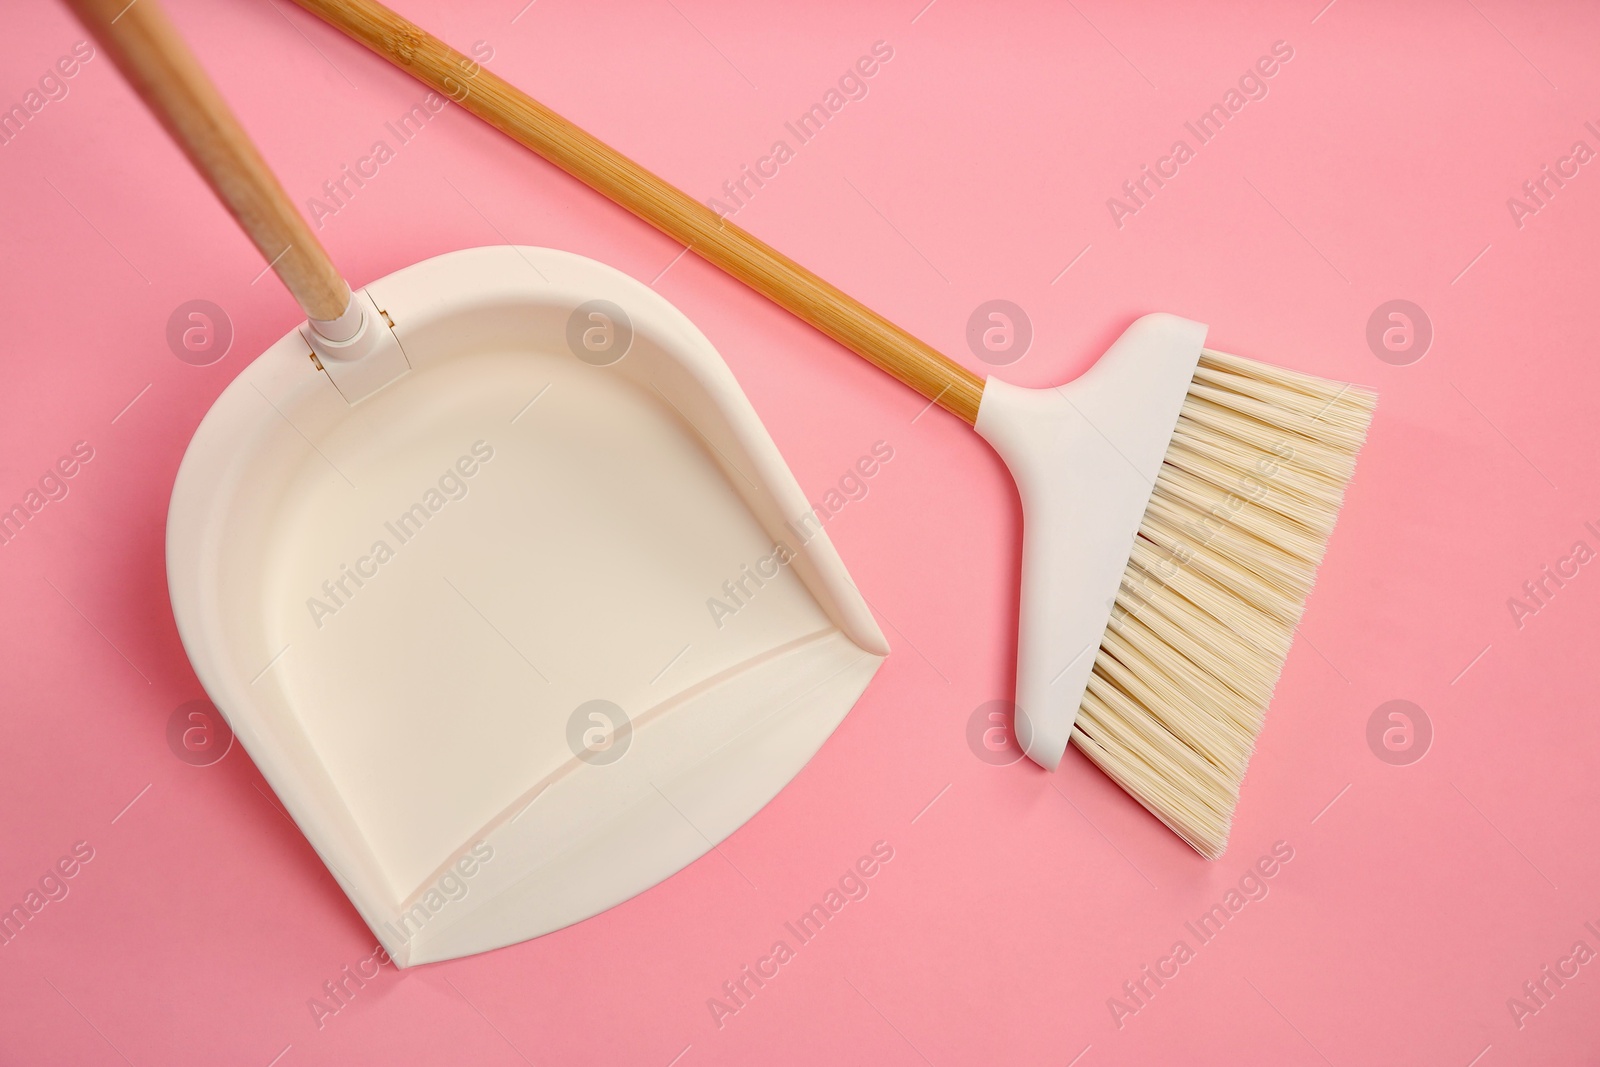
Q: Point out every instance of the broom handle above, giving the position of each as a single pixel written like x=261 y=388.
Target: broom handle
x=664 y=206
x=154 y=59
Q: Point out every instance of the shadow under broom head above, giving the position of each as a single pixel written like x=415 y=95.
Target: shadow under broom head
x=1225 y=557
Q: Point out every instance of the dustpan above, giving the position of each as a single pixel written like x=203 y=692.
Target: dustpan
x=508 y=594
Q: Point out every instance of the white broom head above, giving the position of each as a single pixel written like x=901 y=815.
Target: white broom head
x=1176 y=503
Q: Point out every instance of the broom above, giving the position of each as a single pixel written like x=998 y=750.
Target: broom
x=1176 y=501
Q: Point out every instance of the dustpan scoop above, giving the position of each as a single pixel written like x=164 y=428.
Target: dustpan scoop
x=480 y=622
x=520 y=618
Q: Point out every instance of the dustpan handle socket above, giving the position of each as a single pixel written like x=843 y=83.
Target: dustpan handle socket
x=145 y=46
x=342 y=329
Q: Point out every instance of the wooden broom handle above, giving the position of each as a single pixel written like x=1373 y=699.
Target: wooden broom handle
x=664 y=206
x=147 y=49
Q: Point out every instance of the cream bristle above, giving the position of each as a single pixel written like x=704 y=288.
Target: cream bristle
x=1219 y=574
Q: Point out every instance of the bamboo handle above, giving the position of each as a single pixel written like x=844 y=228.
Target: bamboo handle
x=147 y=49
x=665 y=207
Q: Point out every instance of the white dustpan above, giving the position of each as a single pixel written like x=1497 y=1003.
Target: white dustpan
x=405 y=606
x=493 y=570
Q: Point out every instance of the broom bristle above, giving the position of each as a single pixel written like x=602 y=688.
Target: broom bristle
x=1228 y=550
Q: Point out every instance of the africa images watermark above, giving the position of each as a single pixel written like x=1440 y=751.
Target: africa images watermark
x=51 y=87
x=1139 y=991
x=851 y=886
x=1540 y=590
x=1252 y=487
x=1538 y=191
x=342 y=188
x=52 y=888
x=1541 y=989
x=851 y=85
x=338 y=591
x=1252 y=85
x=451 y=886
x=337 y=993
x=741 y=589
x=53 y=485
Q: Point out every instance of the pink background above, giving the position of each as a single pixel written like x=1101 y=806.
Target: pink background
x=978 y=167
